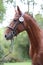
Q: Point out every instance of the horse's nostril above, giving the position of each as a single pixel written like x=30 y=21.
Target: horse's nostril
x=5 y=36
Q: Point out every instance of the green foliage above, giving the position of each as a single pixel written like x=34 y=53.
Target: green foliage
x=1 y=63
x=39 y=18
x=19 y=63
x=21 y=46
x=2 y=10
x=1 y=52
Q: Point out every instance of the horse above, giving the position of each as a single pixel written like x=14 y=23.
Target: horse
x=25 y=22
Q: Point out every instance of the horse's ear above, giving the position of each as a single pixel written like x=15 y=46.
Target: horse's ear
x=19 y=10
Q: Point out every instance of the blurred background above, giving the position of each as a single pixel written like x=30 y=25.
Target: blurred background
x=20 y=50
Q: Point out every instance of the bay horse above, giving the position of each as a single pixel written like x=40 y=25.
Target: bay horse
x=26 y=22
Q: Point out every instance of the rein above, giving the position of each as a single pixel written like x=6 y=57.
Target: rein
x=11 y=45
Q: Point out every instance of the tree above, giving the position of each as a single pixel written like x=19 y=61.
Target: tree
x=39 y=17
x=2 y=10
x=9 y=1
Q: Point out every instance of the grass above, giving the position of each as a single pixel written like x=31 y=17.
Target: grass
x=18 y=63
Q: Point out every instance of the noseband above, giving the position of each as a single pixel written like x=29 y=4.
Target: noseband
x=20 y=21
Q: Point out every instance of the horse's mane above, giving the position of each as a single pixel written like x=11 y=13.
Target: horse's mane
x=30 y=15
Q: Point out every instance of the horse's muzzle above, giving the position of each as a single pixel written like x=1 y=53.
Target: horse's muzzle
x=9 y=36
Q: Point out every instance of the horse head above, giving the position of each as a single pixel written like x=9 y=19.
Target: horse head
x=16 y=26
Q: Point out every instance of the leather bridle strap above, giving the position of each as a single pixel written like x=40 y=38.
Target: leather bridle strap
x=14 y=29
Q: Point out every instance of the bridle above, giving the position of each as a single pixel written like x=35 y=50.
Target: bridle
x=17 y=22
x=14 y=29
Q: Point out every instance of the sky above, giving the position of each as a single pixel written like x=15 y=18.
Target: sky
x=9 y=15
x=25 y=7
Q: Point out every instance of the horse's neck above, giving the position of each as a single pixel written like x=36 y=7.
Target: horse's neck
x=33 y=31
